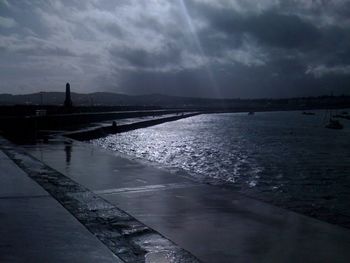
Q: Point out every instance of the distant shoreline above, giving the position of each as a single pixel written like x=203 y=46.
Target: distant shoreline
x=30 y=110
x=52 y=102
x=22 y=123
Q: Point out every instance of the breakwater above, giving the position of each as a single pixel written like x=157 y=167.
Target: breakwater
x=27 y=128
x=94 y=133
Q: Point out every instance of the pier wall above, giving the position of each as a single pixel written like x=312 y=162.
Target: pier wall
x=89 y=134
x=25 y=128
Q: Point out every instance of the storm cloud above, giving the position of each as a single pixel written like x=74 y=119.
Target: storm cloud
x=204 y=48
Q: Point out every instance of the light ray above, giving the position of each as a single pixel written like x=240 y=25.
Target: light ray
x=199 y=46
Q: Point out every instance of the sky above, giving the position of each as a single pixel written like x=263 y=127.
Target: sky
x=197 y=48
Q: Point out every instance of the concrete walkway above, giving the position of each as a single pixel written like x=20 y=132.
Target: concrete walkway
x=36 y=228
x=214 y=224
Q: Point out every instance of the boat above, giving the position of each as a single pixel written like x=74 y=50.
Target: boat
x=343 y=115
x=334 y=124
x=251 y=113
x=308 y=113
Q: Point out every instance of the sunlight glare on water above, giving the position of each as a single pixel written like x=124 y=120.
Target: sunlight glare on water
x=282 y=157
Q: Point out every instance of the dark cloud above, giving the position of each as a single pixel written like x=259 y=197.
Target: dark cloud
x=270 y=28
x=143 y=59
x=285 y=31
x=207 y=48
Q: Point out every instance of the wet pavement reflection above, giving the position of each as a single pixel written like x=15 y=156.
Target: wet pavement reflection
x=214 y=224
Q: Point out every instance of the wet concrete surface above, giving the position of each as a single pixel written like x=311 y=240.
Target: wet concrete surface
x=15 y=183
x=217 y=224
x=41 y=230
x=97 y=169
x=126 y=237
x=214 y=224
x=36 y=228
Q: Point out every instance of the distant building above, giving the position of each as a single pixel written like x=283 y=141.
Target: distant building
x=68 y=101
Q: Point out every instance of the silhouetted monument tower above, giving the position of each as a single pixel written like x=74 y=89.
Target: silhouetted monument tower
x=68 y=101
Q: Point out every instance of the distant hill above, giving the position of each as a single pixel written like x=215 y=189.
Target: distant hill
x=108 y=99
x=99 y=99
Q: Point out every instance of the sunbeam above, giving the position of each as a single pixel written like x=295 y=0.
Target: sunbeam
x=197 y=42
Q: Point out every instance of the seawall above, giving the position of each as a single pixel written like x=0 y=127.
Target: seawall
x=26 y=128
x=94 y=133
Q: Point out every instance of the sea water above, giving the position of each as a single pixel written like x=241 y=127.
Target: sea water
x=284 y=158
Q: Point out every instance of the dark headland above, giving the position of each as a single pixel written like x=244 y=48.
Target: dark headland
x=71 y=111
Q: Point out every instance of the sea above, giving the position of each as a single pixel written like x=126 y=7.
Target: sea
x=286 y=158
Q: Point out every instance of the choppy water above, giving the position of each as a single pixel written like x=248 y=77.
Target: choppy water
x=285 y=158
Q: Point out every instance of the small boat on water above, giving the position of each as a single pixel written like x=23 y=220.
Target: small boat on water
x=308 y=113
x=342 y=116
x=345 y=117
x=251 y=113
x=334 y=124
